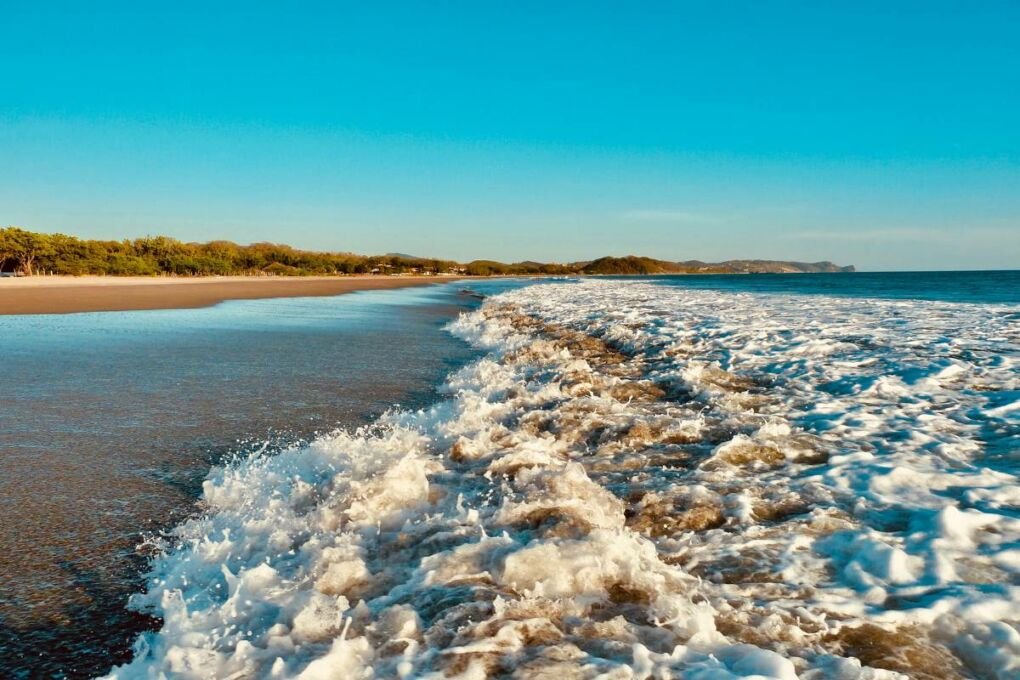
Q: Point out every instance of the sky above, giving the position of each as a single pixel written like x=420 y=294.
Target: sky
x=884 y=135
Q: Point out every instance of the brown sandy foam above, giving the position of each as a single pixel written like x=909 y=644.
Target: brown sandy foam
x=62 y=295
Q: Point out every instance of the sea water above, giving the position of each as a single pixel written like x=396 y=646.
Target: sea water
x=672 y=478
x=109 y=423
x=982 y=287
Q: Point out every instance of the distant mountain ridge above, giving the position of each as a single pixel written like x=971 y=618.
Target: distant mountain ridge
x=786 y=267
x=635 y=265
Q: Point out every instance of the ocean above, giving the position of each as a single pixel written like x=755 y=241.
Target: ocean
x=803 y=476
x=983 y=287
x=110 y=422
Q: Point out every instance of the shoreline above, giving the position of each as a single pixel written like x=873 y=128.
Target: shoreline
x=73 y=294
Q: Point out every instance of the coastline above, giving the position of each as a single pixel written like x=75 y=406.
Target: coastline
x=112 y=422
x=71 y=294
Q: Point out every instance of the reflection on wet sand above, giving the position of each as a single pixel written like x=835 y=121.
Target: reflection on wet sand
x=110 y=423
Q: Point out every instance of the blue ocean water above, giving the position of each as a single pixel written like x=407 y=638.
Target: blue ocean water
x=958 y=286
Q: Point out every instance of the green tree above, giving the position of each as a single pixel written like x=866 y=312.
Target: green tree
x=25 y=247
x=6 y=254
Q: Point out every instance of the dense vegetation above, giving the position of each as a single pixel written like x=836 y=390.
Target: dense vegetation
x=30 y=253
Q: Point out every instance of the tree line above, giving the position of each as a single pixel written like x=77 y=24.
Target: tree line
x=28 y=253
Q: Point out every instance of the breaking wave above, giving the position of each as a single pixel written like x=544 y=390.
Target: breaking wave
x=634 y=481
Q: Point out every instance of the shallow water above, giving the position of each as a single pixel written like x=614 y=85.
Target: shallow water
x=109 y=422
x=635 y=480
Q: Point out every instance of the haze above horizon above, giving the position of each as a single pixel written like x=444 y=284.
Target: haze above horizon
x=863 y=133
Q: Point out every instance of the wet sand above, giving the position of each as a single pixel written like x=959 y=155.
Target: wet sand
x=68 y=294
x=110 y=422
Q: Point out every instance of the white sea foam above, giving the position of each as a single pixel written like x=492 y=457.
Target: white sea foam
x=635 y=481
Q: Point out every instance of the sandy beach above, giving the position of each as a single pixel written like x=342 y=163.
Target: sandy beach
x=69 y=294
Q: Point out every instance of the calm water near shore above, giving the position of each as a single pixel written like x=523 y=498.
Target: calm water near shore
x=109 y=422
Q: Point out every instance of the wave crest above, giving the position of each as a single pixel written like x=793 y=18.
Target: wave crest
x=634 y=482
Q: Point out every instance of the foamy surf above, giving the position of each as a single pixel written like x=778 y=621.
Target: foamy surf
x=634 y=482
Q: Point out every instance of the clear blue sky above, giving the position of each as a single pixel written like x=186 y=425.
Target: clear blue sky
x=884 y=134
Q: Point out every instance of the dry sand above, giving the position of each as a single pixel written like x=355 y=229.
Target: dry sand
x=66 y=294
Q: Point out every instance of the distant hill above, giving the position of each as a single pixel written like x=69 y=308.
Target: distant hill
x=630 y=264
x=783 y=267
x=634 y=265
